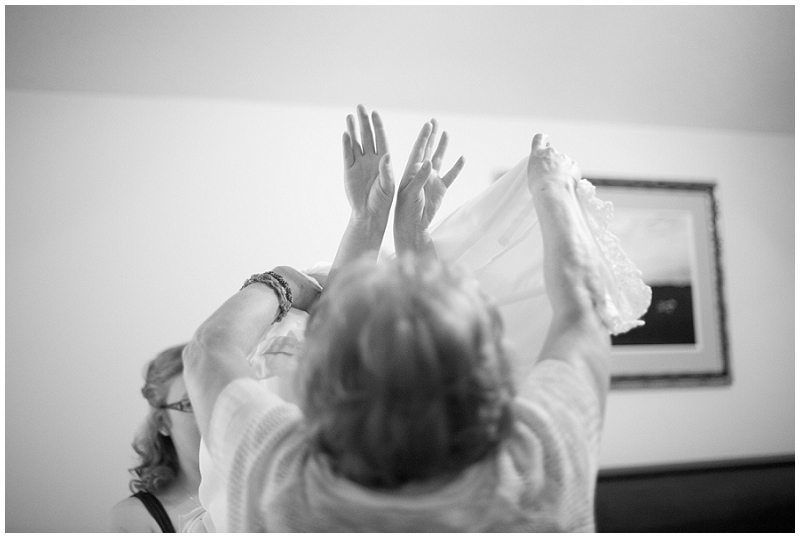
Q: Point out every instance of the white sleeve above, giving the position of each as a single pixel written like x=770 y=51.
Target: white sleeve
x=241 y=408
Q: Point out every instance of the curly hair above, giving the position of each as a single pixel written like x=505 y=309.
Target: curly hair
x=158 y=460
x=405 y=375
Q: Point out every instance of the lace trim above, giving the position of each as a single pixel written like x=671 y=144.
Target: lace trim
x=624 y=305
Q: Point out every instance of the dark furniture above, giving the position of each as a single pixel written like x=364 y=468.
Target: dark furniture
x=754 y=495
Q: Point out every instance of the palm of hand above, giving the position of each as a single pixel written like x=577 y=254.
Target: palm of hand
x=368 y=179
x=364 y=192
x=431 y=196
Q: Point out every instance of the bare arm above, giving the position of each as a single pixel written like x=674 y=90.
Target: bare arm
x=576 y=334
x=130 y=515
x=217 y=354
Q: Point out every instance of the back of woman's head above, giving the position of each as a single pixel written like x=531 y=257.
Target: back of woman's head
x=158 y=460
x=405 y=373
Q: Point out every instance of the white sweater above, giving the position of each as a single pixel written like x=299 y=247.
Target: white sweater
x=542 y=479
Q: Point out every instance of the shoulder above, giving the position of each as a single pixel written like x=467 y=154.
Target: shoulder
x=250 y=423
x=130 y=515
x=246 y=408
x=558 y=399
x=567 y=385
x=557 y=412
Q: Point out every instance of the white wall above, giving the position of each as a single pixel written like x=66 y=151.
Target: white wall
x=128 y=220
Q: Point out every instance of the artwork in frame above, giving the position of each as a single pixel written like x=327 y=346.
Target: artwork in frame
x=669 y=230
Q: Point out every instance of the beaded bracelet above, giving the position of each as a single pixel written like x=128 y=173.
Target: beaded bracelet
x=281 y=287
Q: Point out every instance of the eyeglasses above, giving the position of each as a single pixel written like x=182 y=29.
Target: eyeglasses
x=184 y=406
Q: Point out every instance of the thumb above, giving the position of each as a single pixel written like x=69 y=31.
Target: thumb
x=386 y=174
x=539 y=141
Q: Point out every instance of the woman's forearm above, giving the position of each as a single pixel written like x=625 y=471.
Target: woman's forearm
x=362 y=237
x=419 y=243
x=577 y=333
x=570 y=269
x=217 y=353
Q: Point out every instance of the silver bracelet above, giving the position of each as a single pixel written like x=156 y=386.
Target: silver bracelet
x=279 y=285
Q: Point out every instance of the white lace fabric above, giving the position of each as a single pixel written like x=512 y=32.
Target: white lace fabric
x=627 y=297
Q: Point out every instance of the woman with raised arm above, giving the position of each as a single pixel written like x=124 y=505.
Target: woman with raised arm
x=369 y=186
x=410 y=418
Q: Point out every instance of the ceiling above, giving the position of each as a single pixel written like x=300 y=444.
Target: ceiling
x=719 y=67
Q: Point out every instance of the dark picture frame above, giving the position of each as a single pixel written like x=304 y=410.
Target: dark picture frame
x=669 y=230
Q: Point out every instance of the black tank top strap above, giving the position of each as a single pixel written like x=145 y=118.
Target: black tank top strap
x=156 y=510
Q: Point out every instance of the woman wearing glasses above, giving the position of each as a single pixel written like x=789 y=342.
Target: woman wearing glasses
x=168 y=475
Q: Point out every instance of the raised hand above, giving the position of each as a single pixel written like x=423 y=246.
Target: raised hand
x=369 y=184
x=422 y=190
x=549 y=167
x=368 y=177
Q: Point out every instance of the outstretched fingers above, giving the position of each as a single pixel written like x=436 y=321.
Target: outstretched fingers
x=437 y=158
x=417 y=151
x=351 y=130
x=421 y=144
x=431 y=139
x=367 y=142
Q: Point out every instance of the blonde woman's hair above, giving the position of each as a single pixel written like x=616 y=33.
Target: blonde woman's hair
x=158 y=460
x=405 y=375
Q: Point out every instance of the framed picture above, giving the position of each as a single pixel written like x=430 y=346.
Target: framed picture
x=669 y=230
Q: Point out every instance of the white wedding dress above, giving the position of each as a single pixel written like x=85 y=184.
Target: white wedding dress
x=496 y=237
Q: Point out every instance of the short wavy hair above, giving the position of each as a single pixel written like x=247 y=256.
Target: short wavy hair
x=405 y=374
x=158 y=460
